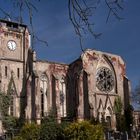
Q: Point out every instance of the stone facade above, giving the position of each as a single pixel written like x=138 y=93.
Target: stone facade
x=84 y=89
x=136 y=121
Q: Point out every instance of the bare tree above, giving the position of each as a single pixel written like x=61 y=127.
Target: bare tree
x=135 y=96
x=23 y=5
x=81 y=13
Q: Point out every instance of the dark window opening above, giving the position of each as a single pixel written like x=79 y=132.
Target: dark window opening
x=18 y=72
x=42 y=105
x=6 y=71
x=15 y=25
x=9 y=24
x=12 y=25
x=6 y=34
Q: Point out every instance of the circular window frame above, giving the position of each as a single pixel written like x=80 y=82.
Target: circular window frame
x=105 y=79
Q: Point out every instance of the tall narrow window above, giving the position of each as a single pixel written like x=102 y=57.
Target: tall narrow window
x=18 y=72
x=44 y=99
x=62 y=98
x=12 y=103
x=6 y=71
x=42 y=105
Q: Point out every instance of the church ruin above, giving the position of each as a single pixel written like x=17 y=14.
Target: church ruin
x=84 y=89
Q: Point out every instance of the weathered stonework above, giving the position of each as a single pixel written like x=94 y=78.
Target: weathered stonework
x=70 y=90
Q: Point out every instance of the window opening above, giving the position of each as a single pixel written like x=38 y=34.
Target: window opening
x=18 y=72
x=6 y=71
x=42 y=105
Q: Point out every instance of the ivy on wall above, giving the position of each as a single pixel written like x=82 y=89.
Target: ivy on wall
x=120 y=118
x=8 y=121
x=4 y=104
x=5 y=99
x=118 y=106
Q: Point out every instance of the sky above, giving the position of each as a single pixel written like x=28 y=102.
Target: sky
x=51 y=23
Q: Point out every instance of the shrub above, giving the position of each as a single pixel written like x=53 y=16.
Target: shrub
x=30 y=132
x=84 y=131
x=18 y=138
x=50 y=130
x=9 y=122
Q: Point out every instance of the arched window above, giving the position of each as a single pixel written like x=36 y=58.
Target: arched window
x=108 y=121
x=43 y=91
x=63 y=98
x=108 y=115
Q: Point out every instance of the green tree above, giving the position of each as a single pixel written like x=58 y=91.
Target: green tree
x=10 y=123
x=135 y=96
x=118 y=105
x=120 y=118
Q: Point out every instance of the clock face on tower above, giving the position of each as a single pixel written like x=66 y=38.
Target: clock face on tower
x=105 y=79
x=11 y=45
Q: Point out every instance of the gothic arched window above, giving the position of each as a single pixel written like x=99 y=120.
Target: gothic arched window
x=43 y=90
x=62 y=98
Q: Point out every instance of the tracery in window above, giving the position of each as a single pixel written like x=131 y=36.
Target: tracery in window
x=105 y=79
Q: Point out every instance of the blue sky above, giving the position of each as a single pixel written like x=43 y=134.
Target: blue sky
x=51 y=23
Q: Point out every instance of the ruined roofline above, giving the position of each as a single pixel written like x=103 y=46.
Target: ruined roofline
x=52 y=62
x=97 y=51
x=78 y=59
x=126 y=77
x=13 y=22
x=107 y=53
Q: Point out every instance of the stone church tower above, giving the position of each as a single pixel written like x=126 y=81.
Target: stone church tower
x=14 y=46
x=84 y=89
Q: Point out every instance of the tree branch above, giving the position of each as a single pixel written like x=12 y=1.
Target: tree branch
x=80 y=12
